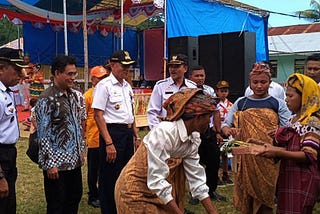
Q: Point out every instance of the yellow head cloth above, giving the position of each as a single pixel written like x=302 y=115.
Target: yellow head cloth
x=310 y=91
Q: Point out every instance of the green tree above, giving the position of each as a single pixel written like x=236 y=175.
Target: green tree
x=312 y=14
x=8 y=31
x=154 y=21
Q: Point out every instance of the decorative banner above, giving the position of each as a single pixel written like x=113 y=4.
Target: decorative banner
x=74 y=27
x=91 y=29
x=158 y=3
x=57 y=27
x=38 y=25
x=104 y=30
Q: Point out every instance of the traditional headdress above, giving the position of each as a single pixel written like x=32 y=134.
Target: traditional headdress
x=189 y=103
x=259 y=68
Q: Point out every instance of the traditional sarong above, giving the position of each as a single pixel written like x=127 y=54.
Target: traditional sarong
x=256 y=178
x=132 y=194
x=298 y=183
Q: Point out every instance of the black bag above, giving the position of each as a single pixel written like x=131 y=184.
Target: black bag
x=33 y=149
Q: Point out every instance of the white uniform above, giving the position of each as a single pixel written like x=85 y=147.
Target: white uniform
x=9 y=129
x=115 y=99
x=160 y=93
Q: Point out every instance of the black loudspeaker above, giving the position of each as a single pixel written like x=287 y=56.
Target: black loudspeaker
x=229 y=57
x=186 y=45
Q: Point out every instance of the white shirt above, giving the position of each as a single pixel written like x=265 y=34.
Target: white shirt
x=170 y=140
x=160 y=93
x=115 y=99
x=9 y=129
x=275 y=90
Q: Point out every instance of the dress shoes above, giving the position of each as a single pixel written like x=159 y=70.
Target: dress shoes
x=95 y=203
x=193 y=201
x=217 y=197
x=187 y=211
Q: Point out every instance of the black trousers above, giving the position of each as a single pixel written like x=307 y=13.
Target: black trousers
x=92 y=175
x=122 y=138
x=63 y=195
x=8 y=156
x=209 y=152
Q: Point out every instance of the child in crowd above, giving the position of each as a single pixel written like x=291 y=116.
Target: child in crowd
x=222 y=91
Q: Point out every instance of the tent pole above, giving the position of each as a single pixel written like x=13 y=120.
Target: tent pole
x=65 y=27
x=85 y=45
x=121 y=30
x=165 y=40
x=18 y=37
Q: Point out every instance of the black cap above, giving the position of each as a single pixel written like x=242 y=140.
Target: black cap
x=122 y=57
x=178 y=59
x=13 y=56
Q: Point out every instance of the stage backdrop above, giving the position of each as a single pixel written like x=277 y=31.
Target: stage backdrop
x=43 y=42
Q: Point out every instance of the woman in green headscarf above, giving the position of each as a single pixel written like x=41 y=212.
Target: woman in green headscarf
x=299 y=176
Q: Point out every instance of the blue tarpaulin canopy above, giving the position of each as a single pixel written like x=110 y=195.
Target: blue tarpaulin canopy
x=184 y=18
x=203 y=17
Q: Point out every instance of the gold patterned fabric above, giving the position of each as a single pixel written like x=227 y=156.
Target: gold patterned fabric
x=310 y=97
x=256 y=178
x=132 y=194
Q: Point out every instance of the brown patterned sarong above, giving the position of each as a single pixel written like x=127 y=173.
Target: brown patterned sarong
x=132 y=194
x=256 y=178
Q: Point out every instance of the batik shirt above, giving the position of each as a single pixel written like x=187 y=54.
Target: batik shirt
x=59 y=117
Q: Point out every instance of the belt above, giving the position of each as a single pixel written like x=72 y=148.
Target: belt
x=12 y=145
x=120 y=125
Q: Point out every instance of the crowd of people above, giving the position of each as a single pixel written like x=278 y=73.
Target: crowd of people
x=188 y=121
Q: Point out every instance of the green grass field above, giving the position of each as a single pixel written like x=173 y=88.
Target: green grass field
x=31 y=199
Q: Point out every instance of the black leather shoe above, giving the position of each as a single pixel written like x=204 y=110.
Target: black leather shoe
x=94 y=203
x=215 y=196
x=188 y=211
x=193 y=201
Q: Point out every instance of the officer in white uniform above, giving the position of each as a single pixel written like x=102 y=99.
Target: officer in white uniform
x=11 y=64
x=113 y=101
x=163 y=89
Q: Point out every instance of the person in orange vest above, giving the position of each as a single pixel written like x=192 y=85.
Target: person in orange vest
x=97 y=73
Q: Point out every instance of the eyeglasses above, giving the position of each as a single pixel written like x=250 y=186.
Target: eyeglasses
x=72 y=73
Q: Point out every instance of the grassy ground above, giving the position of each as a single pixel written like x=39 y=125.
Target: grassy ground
x=31 y=199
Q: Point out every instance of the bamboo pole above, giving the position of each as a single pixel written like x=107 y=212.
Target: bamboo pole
x=85 y=45
x=165 y=40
